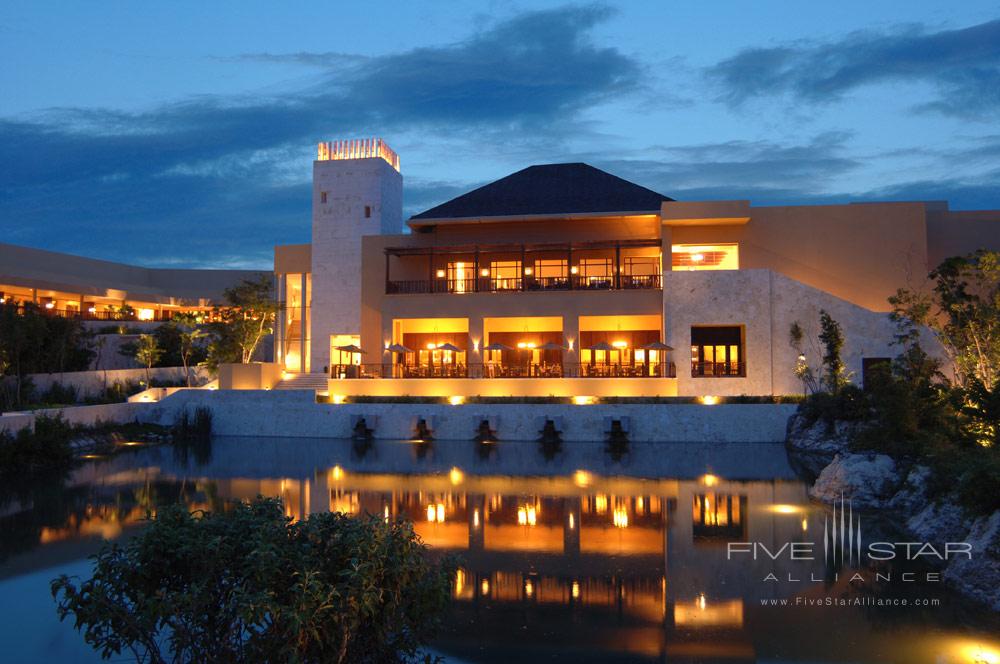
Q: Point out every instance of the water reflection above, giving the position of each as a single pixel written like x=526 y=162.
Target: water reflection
x=575 y=556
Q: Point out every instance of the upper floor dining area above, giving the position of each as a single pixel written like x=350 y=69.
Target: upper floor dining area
x=496 y=268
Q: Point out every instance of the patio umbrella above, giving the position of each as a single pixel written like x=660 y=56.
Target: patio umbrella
x=351 y=348
x=398 y=348
x=601 y=345
x=453 y=348
x=656 y=345
x=551 y=345
x=497 y=346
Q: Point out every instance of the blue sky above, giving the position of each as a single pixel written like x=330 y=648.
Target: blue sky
x=182 y=133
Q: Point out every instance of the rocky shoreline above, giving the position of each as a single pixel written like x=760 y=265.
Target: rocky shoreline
x=879 y=482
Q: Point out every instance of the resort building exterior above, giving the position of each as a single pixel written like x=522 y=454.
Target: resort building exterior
x=95 y=290
x=565 y=280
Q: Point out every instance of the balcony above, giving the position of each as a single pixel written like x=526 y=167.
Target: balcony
x=591 y=266
x=487 y=371
x=718 y=370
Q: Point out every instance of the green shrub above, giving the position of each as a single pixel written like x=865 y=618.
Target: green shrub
x=44 y=448
x=59 y=394
x=249 y=586
x=195 y=426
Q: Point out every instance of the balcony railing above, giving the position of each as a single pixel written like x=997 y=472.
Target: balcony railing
x=117 y=316
x=388 y=370
x=509 y=284
x=718 y=369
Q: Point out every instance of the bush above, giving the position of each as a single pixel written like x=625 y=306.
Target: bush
x=59 y=394
x=44 y=448
x=193 y=427
x=249 y=586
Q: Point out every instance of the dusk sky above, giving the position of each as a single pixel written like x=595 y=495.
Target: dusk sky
x=183 y=133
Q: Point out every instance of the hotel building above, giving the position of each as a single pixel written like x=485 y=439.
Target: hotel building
x=565 y=280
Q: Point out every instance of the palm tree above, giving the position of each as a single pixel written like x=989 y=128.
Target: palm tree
x=147 y=353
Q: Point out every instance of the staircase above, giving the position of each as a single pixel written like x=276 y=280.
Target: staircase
x=304 y=381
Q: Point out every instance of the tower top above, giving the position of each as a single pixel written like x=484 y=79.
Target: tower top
x=358 y=148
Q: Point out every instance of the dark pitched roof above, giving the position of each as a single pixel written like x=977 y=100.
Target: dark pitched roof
x=550 y=189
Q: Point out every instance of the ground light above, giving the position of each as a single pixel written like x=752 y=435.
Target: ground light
x=708 y=400
x=584 y=401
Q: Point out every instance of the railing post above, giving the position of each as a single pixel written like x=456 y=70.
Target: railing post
x=475 y=272
x=618 y=265
x=569 y=266
x=523 y=267
x=386 y=271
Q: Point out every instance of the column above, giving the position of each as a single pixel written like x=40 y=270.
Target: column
x=303 y=329
x=279 y=319
x=571 y=335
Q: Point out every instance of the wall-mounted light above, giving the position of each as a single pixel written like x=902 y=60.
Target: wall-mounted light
x=485 y=272
x=528 y=271
x=431 y=346
x=620 y=344
x=697 y=258
x=440 y=274
x=574 y=270
x=50 y=305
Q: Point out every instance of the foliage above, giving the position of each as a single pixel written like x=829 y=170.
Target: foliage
x=36 y=342
x=59 y=394
x=834 y=376
x=43 y=448
x=147 y=352
x=963 y=312
x=196 y=427
x=250 y=586
x=796 y=339
x=243 y=322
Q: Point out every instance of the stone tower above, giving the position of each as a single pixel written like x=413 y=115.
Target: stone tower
x=357 y=191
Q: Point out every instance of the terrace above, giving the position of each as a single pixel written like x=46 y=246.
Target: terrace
x=498 y=268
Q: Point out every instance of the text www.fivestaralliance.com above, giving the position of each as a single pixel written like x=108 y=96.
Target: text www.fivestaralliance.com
x=851 y=601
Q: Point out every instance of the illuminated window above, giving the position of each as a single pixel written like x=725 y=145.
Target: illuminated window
x=505 y=275
x=461 y=276
x=595 y=272
x=322 y=197
x=705 y=257
x=551 y=269
x=717 y=352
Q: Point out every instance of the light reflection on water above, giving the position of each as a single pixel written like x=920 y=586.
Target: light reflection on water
x=574 y=558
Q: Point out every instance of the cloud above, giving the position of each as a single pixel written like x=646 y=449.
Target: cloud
x=229 y=174
x=962 y=65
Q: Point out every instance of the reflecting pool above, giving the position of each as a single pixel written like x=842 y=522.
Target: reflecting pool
x=577 y=553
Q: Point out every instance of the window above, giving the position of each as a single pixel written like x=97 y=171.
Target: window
x=368 y=212
x=717 y=352
x=641 y=272
x=505 y=275
x=322 y=197
x=705 y=257
x=595 y=273
x=460 y=277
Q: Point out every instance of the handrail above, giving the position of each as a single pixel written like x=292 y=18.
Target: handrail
x=491 y=370
x=527 y=283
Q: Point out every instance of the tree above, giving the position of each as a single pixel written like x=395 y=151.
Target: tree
x=834 y=376
x=147 y=353
x=796 y=339
x=180 y=340
x=250 y=586
x=190 y=336
x=963 y=312
x=244 y=322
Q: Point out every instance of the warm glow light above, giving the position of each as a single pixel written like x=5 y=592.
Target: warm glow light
x=485 y=272
x=338 y=398
x=431 y=514
x=785 y=509
x=359 y=148
x=528 y=271
x=484 y=587
x=529 y=588
x=978 y=654
x=456 y=400
x=709 y=480
x=805 y=525
x=92 y=310
x=569 y=343
x=440 y=512
x=431 y=346
x=440 y=274
x=456 y=476
x=600 y=503
x=581 y=478
x=701 y=601
x=584 y=400
x=574 y=270
x=697 y=258
x=50 y=305
x=527 y=515
x=620 y=344
x=620 y=517
x=475 y=345
x=144 y=314
x=575 y=590
x=708 y=400
x=385 y=513
x=475 y=518
x=338 y=473
x=572 y=521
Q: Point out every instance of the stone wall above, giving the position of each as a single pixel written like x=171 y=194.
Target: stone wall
x=295 y=414
x=93 y=382
x=80 y=415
